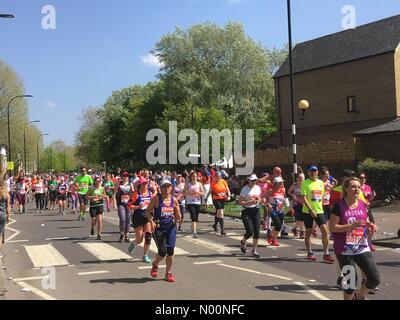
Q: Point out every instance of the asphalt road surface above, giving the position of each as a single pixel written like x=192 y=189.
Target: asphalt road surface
x=50 y=256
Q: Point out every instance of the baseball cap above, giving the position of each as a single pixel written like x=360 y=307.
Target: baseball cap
x=265 y=174
x=125 y=173
x=142 y=180
x=278 y=180
x=252 y=177
x=164 y=182
x=312 y=168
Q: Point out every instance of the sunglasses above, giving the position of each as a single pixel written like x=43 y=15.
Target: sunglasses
x=362 y=177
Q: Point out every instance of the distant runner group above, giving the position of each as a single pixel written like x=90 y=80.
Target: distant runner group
x=154 y=204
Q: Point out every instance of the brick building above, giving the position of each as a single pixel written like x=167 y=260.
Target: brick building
x=350 y=78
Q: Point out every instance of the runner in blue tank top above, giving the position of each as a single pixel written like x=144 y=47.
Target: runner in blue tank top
x=163 y=221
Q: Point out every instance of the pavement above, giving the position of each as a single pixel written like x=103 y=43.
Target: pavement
x=52 y=257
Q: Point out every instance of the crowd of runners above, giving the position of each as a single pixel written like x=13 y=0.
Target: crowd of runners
x=156 y=204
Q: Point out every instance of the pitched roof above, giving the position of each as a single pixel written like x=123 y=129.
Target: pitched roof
x=390 y=127
x=367 y=40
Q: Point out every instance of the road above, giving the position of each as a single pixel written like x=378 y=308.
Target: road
x=209 y=268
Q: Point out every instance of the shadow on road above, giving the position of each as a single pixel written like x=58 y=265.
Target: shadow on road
x=124 y=280
x=389 y=264
x=292 y=288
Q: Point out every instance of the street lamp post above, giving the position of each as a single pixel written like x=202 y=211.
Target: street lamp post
x=8 y=120
x=292 y=89
x=35 y=121
x=7 y=16
x=38 y=161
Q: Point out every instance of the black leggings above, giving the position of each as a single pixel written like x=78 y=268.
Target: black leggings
x=366 y=262
x=277 y=219
x=39 y=197
x=251 y=220
x=194 y=210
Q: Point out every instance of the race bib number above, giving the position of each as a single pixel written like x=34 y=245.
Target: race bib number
x=316 y=195
x=145 y=204
x=356 y=238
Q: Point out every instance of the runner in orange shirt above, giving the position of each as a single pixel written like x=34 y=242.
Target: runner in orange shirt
x=220 y=194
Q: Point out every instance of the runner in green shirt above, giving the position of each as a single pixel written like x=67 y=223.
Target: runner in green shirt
x=82 y=183
x=96 y=195
x=110 y=190
x=53 y=184
x=312 y=191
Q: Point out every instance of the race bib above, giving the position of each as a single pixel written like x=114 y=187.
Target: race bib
x=316 y=195
x=356 y=238
x=145 y=204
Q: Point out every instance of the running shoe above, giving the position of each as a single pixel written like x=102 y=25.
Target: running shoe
x=311 y=257
x=270 y=240
x=255 y=254
x=195 y=236
x=284 y=233
x=63 y=213
x=121 y=238
x=180 y=228
x=169 y=277
x=328 y=258
x=275 y=243
x=223 y=233
x=243 y=247
x=131 y=248
x=37 y=211
x=215 y=227
x=154 y=271
x=146 y=259
x=92 y=231
x=99 y=236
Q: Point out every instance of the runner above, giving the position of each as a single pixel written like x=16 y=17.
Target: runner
x=166 y=212
x=328 y=185
x=206 y=179
x=4 y=207
x=351 y=226
x=39 y=194
x=123 y=196
x=96 y=196
x=369 y=195
x=82 y=183
x=110 y=190
x=53 y=185
x=298 y=201
x=276 y=198
x=73 y=194
x=220 y=194
x=250 y=198
x=21 y=194
x=62 y=189
x=193 y=192
x=180 y=196
x=312 y=191
x=265 y=184
x=140 y=201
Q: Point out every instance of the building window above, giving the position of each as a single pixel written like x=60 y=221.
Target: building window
x=351 y=104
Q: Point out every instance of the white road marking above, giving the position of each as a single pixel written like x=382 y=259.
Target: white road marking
x=256 y=272
x=60 y=238
x=104 y=252
x=207 y=262
x=209 y=244
x=381 y=248
x=110 y=218
x=16 y=241
x=45 y=256
x=149 y=267
x=17 y=232
x=93 y=272
x=311 y=291
x=36 y=291
x=30 y=278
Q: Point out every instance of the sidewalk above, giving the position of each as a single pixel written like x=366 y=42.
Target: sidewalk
x=388 y=220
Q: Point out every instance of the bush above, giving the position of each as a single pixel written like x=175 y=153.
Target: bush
x=383 y=177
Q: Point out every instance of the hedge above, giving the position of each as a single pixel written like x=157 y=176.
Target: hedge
x=383 y=177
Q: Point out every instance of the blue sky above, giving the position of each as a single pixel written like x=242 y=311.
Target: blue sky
x=100 y=45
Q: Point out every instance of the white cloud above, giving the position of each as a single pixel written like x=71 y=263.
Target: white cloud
x=50 y=104
x=152 y=60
